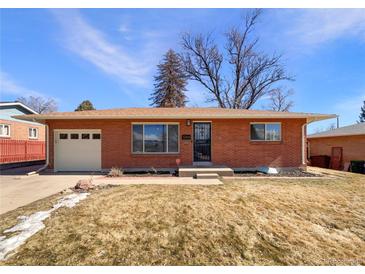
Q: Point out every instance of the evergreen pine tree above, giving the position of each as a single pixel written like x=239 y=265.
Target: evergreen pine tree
x=170 y=82
x=85 y=105
x=362 y=114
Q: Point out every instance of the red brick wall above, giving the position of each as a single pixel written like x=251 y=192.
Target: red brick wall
x=20 y=131
x=353 y=147
x=230 y=144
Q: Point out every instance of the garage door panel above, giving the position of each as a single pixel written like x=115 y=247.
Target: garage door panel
x=77 y=154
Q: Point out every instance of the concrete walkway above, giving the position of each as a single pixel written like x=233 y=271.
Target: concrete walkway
x=155 y=180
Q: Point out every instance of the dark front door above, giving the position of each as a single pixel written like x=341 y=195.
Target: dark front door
x=202 y=142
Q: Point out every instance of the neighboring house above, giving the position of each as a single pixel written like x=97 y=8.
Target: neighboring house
x=168 y=137
x=350 y=138
x=20 y=141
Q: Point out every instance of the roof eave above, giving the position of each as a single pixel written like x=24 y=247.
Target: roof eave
x=337 y=135
x=312 y=119
x=19 y=104
x=42 y=118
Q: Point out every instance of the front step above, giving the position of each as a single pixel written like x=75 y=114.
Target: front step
x=193 y=171
x=207 y=176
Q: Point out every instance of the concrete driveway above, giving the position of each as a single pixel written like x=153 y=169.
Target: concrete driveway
x=20 y=190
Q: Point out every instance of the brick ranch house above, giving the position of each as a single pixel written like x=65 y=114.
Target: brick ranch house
x=20 y=141
x=170 y=137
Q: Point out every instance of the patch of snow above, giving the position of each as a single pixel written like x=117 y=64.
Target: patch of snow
x=70 y=200
x=30 y=225
x=268 y=170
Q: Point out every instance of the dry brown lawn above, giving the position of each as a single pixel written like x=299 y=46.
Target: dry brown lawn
x=245 y=222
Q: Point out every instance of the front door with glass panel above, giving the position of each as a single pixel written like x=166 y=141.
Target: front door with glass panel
x=202 y=142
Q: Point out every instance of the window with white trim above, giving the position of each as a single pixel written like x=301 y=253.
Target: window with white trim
x=155 y=138
x=33 y=133
x=265 y=132
x=4 y=130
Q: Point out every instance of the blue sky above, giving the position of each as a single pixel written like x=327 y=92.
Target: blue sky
x=109 y=56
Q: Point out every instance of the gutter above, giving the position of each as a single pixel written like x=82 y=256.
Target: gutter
x=337 y=135
x=304 y=137
x=304 y=161
x=41 y=119
x=47 y=155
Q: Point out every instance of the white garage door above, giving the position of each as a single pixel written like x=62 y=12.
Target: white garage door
x=77 y=150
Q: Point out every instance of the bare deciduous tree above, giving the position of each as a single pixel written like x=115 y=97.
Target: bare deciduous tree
x=331 y=126
x=39 y=104
x=254 y=72
x=279 y=100
x=322 y=129
x=202 y=62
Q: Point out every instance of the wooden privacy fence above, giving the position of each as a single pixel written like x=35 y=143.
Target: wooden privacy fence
x=12 y=151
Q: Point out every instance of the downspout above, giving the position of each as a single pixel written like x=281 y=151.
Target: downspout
x=47 y=155
x=304 y=160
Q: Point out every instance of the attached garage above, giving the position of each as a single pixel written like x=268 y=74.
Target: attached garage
x=77 y=150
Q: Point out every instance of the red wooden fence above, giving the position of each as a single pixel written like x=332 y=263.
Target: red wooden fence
x=12 y=151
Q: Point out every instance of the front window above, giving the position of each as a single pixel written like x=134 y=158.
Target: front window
x=265 y=132
x=4 y=130
x=33 y=133
x=155 y=138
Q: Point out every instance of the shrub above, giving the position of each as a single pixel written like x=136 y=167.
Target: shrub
x=115 y=172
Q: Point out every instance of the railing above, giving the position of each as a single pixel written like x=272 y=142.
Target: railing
x=12 y=151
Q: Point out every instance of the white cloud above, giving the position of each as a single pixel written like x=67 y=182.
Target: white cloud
x=9 y=86
x=124 y=28
x=92 y=45
x=317 y=26
x=130 y=34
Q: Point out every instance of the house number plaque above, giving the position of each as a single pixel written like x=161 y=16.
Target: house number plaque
x=186 y=137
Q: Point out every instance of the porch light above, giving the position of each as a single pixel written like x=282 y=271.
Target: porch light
x=188 y=122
